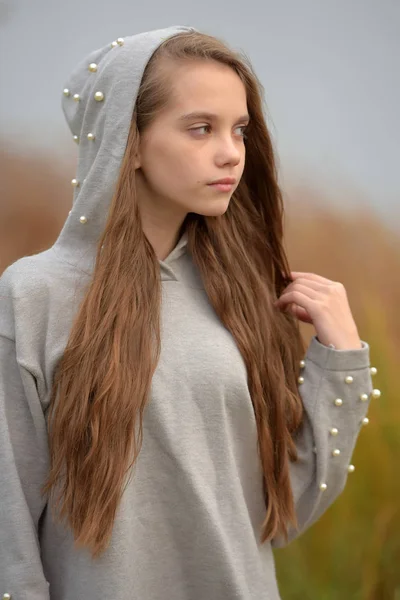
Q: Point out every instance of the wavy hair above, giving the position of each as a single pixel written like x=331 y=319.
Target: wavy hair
x=102 y=382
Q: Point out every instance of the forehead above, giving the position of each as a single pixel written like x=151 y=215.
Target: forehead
x=207 y=86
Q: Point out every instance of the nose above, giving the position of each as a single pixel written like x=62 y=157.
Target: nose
x=229 y=151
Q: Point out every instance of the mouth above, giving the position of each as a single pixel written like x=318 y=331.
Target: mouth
x=225 y=180
x=223 y=185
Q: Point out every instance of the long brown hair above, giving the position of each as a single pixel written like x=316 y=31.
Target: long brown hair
x=102 y=382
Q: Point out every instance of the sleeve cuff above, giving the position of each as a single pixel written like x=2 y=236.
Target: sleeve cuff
x=338 y=360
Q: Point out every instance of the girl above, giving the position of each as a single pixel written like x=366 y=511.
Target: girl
x=162 y=430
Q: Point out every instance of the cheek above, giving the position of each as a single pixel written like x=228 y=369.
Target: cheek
x=172 y=165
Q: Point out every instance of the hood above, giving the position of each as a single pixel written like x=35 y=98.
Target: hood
x=98 y=102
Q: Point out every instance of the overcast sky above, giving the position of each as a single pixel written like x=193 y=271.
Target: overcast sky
x=331 y=72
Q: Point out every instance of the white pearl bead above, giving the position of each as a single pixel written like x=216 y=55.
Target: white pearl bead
x=93 y=67
x=76 y=139
x=75 y=183
x=349 y=379
x=120 y=41
x=66 y=92
x=365 y=421
x=351 y=468
x=338 y=402
x=83 y=219
x=336 y=452
x=6 y=597
x=364 y=397
x=300 y=380
x=323 y=487
x=91 y=137
x=373 y=370
x=376 y=393
x=334 y=431
x=99 y=96
x=302 y=364
x=114 y=44
x=77 y=97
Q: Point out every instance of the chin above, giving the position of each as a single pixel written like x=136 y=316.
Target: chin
x=213 y=209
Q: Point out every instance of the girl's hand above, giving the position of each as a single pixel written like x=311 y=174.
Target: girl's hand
x=323 y=303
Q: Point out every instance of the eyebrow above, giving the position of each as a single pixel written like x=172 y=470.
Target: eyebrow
x=209 y=116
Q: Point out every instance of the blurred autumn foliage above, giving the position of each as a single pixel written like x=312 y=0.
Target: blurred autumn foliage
x=35 y=197
x=353 y=552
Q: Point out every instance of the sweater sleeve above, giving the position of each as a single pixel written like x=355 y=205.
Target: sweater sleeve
x=336 y=390
x=23 y=468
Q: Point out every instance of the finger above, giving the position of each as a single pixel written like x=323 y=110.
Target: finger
x=308 y=290
x=301 y=313
x=311 y=283
x=311 y=276
x=304 y=300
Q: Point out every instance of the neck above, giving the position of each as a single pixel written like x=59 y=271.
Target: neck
x=161 y=223
x=163 y=241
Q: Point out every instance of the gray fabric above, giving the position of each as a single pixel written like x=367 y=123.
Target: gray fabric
x=119 y=72
x=189 y=522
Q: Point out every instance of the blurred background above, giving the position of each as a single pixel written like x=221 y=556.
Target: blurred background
x=330 y=70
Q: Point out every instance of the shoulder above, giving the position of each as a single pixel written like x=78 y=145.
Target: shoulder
x=23 y=283
x=34 y=287
x=27 y=275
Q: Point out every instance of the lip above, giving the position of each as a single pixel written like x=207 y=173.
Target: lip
x=224 y=181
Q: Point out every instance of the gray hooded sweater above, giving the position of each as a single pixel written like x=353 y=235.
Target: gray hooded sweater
x=188 y=525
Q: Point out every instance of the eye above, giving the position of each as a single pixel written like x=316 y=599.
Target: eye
x=198 y=129
x=208 y=127
x=244 y=127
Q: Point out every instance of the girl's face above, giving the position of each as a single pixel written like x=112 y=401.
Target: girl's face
x=195 y=140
